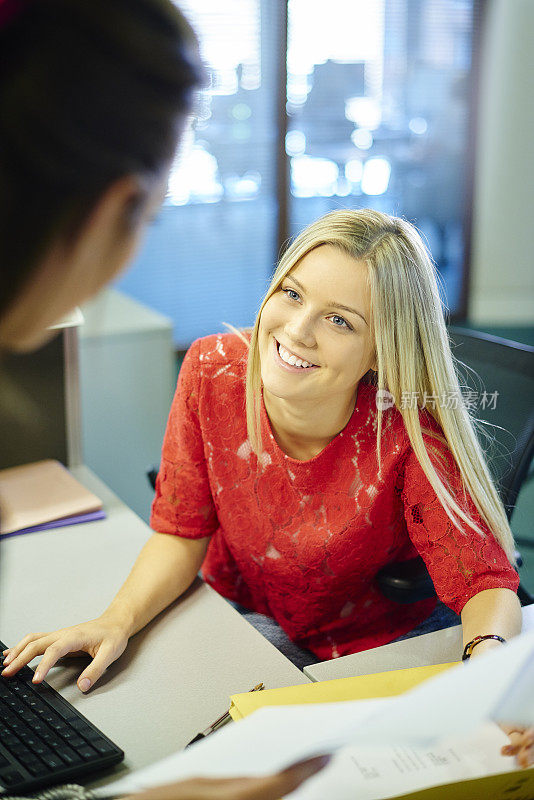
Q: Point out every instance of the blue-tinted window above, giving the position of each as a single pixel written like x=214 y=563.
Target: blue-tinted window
x=378 y=104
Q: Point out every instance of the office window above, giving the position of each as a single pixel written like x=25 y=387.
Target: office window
x=378 y=101
x=208 y=256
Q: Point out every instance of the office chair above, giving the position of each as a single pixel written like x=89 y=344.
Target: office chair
x=508 y=368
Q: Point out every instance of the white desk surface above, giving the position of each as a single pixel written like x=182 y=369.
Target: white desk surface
x=176 y=675
x=438 y=647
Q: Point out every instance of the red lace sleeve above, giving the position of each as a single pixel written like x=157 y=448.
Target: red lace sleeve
x=461 y=564
x=183 y=504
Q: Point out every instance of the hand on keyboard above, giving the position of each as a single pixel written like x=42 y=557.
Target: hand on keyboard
x=102 y=639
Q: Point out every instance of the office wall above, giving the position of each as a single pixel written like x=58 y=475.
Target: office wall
x=502 y=271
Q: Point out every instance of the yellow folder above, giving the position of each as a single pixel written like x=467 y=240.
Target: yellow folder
x=383 y=684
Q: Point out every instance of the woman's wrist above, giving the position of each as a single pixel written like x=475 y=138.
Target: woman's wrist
x=480 y=644
x=120 y=616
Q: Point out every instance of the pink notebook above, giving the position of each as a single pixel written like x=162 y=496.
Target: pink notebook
x=34 y=496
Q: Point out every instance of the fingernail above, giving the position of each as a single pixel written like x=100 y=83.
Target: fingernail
x=84 y=684
x=7 y=659
x=37 y=677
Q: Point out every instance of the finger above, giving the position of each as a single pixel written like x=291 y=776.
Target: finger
x=106 y=655
x=518 y=738
x=525 y=757
x=13 y=652
x=56 y=650
x=30 y=652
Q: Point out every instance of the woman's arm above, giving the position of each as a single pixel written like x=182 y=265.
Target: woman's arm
x=494 y=611
x=165 y=568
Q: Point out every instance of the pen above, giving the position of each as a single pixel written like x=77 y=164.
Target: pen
x=220 y=721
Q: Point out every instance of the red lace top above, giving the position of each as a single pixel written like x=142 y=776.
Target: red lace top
x=302 y=541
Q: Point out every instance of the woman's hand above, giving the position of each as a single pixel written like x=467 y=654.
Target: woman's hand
x=270 y=787
x=104 y=639
x=521 y=744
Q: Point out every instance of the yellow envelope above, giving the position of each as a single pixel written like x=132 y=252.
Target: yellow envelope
x=382 y=684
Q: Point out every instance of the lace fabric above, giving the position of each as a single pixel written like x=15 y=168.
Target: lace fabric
x=303 y=541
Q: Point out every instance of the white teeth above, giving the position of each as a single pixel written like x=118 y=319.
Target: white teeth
x=289 y=358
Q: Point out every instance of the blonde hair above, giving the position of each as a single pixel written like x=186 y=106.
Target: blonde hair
x=413 y=353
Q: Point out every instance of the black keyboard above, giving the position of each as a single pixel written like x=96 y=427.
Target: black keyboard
x=43 y=739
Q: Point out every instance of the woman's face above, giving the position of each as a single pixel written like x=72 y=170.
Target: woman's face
x=320 y=314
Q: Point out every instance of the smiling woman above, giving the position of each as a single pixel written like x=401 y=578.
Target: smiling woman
x=311 y=485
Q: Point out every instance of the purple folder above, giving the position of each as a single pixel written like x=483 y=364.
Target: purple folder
x=76 y=519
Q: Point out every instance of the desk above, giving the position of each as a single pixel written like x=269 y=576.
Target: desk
x=176 y=675
x=438 y=647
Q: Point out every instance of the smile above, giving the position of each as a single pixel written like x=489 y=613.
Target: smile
x=290 y=361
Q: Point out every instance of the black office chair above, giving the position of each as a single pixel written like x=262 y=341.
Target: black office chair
x=508 y=368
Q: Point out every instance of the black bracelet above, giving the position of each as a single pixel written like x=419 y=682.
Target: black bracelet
x=468 y=649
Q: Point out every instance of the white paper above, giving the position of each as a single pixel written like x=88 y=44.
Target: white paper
x=470 y=693
x=454 y=703
x=368 y=773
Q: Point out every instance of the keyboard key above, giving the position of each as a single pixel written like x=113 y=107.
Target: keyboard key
x=10 y=739
x=81 y=726
x=37 y=768
x=68 y=713
x=25 y=674
x=53 y=761
x=40 y=749
x=92 y=735
x=20 y=751
x=51 y=740
x=76 y=742
x=103 y=747
x=69 y=756
x=87 y=752
x=10 y=776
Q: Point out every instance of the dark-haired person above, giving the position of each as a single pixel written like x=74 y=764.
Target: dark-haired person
x=93 y=98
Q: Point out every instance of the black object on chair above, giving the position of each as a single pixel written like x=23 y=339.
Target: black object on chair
x=505 y=367
x=152 y=474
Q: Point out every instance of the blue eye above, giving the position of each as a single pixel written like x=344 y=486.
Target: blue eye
x=339 y=322
x=292 y=294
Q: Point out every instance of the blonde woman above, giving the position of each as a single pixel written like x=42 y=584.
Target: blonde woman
x=293 y=470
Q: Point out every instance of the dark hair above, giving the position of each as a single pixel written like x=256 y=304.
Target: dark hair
x=90 y=91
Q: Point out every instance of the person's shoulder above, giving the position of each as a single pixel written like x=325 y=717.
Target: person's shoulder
x=222 y=350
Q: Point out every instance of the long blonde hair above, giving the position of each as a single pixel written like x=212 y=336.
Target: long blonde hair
x=413 y=353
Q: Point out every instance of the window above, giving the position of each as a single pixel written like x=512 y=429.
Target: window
x=378 y=115
x=208 y=256
x=378 y=107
